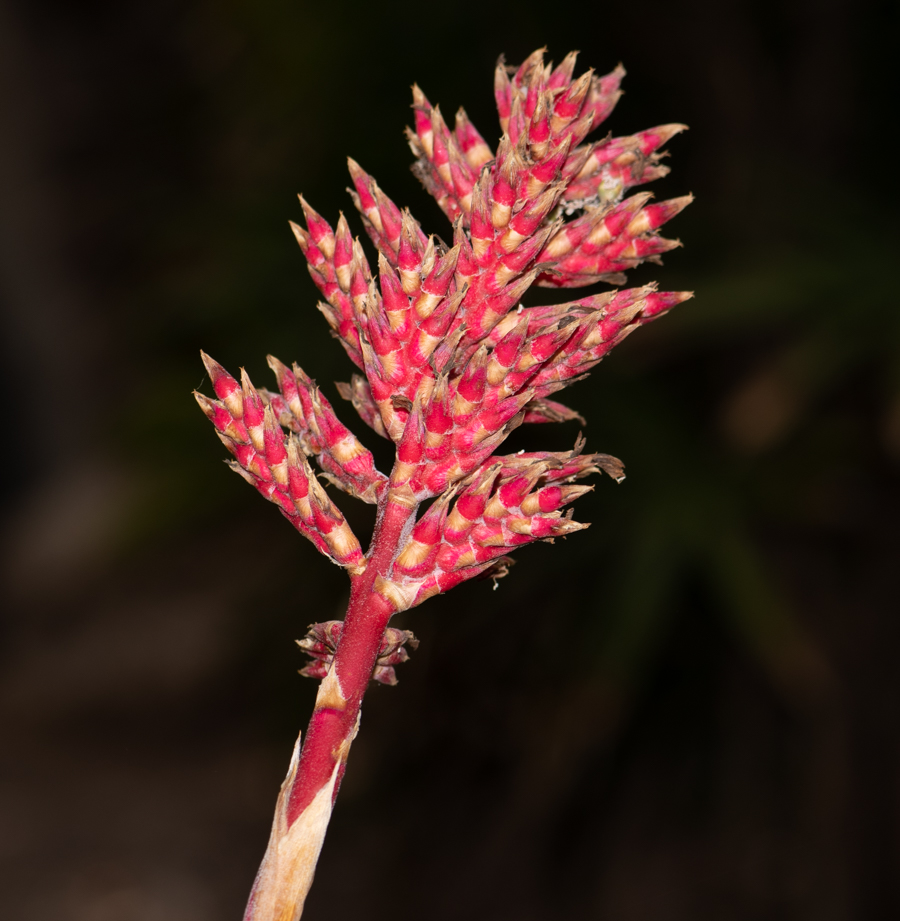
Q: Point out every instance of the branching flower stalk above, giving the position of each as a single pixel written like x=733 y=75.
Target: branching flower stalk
x=451 y=363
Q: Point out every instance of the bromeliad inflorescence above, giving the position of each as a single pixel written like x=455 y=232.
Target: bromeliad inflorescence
x=451 y=363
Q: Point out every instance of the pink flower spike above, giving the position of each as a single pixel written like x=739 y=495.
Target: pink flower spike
x=452 y=363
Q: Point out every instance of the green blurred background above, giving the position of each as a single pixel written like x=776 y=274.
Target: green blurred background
x=687 y=712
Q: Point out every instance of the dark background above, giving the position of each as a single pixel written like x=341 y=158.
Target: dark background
x=687 y=712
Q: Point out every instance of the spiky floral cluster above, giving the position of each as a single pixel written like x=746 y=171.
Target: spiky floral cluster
x=451 y=361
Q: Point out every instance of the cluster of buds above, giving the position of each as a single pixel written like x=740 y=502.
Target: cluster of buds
x=322 y=639
x=251 y=423
x=450 y=360
x=510 y=501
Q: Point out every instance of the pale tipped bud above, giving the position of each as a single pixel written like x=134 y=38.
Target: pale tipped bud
x=319 y=229
x=343 y=254
x=276 y=454
x=227 y=389
x=253 y=412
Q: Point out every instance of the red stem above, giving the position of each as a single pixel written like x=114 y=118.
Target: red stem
x=308 y=792
x=367 y=617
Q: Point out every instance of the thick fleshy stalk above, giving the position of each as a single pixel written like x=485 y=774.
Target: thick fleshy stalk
x=310 y=788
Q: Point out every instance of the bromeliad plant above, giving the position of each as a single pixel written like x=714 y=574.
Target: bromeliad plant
x=452 y=363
